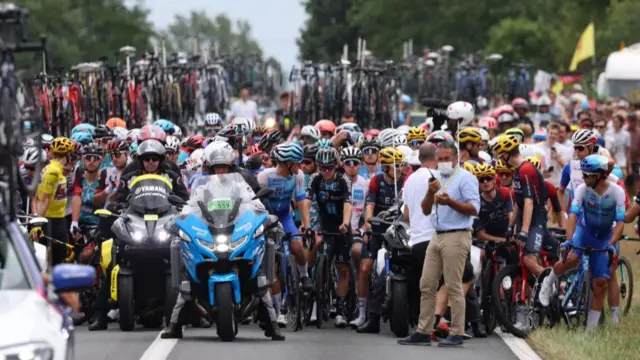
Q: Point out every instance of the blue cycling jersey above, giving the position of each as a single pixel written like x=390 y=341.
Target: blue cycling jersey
x=365 y=174
x=106 y=163
x=314 y=207
x=286 y=189
x=597 y=212
x=182 y=157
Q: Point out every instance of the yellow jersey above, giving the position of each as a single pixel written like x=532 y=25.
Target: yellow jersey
x=54 y=185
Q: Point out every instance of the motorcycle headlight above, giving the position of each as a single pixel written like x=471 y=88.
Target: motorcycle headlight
x=137 y=236
x=236 y=243
x=222 y=239
x=33 y=351
x=162 y=235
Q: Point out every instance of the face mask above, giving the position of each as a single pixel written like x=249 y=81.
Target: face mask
x=445 y=168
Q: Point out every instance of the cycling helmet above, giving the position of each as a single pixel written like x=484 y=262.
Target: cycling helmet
x=120 y=133
x=399 y=139
x=102 y=131
x=484 y=156
x=351 y=127
x=584 y=137
x=488 y=122
x=92 y=149
x=213 y=120
x=372 y=133
x=470 y=166
x=534 y=161
x=520 y=103
x=484 y=170
x=219 y=153
x=151 y=147
x=246 y=125
x=517 y=132
x=133 y=148
x=82 y=137
x=195 y=160
x=370 y=143
x=269 y=139
x=46 y=139
x=118 y=145
x=166 y=125
x=403 y=129
x=326 y=126
x=406 y=152
x=506 y=118
x=505 y=144
x=84 y=127
x=387 y=137
x=259 y=130
x=195 y=142
x=32 y=155
x=417 y=133
x=484 y=135
x=351 y=153
x=254 y=150
x=469 y=134
x=544 y=100
x=405 y=99
x=324 y=143
x=116 y=122
x=461 y=111
x=29 y=143
x=501 y=110
x=289 y=152
x=390 y=156
x=501 y=166
x=594 y=164
x=528 y=150
x=151 y=132
x=177 y=132
x=62 y=146
x=132 y=136
x=327 y=156
x=439 y=136
x=310 y=131
x=310 y=151
x=172 y=143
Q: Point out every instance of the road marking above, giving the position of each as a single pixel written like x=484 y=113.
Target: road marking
x=518 y=346
x=159 y=348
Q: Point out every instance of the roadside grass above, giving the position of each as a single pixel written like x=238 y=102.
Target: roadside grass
x=606 y=343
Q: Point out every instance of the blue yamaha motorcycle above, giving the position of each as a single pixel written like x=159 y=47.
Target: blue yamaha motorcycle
x=222 y=246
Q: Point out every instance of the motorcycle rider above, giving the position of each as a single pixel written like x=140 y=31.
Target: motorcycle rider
x=220 y=159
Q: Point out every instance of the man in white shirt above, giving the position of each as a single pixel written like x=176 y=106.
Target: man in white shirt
x=244 y=107
x=554 y=161
x=414 y=191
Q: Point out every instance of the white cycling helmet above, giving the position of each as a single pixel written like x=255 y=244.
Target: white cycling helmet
x=399 y=139
x=386 y=137
x=414 y=158
x=506 y=117
x=351 y=153
x=310 y=131
x=29 y=143
x=177 y=132
x=246 y=124
x=544 y=100
x=213 y=120
x=132 y=136
x=529 y=150
x=403 y=129
x=461 y=111
x=406 y=151
x=584 y=137
x=484 y=135
x=30 y=156
x=219 y=153
x=172 y=143
x=120 y=133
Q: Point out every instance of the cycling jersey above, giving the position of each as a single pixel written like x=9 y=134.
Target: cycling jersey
x=182 y=157
x=572 y=178
x=331 y=196
x=493 y=214
x=286 y=188
x=528 y=183
x=553 y=197
x=109 y=180
x=381 y=193
x=86 y=192
x=365 y=174
x=106 y=162
x=313 y=211
x=54 y=184
x=359 y=191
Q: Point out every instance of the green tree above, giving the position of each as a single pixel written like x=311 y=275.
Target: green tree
x=327 y=31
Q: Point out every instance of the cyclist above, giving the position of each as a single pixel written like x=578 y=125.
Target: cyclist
x=102 y=134
x=30 y=159
x=496 y=206
x=309 y=134
x=212 y=124
x=172 y=147
x=596 y=220
x=110 y=176
x=416 y=136
x=553 y=201
x=469 y=139
x=333 y=194
x=85 y=186
x=51 y=198
x=370 y=148
x=504 y=174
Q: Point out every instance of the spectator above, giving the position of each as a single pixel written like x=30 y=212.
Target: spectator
x=347 y=117
x=452 y=206
x=618 y=141
x=633 y=160
x=283 y=115
x=244 y=107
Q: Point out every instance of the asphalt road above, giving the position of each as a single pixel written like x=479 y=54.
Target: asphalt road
x=309 y=344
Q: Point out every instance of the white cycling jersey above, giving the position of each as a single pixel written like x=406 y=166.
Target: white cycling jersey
x=359 y=191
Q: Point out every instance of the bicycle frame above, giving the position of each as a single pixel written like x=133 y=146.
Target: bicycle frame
x=524 y=275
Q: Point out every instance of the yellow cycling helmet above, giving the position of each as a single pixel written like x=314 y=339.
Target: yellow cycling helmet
x=417 y=133
x=62 y=146
x=505 y=144
x=390 y=155
x=469 y=134
x=515 y=131
x=501 y=166
x=484 y=170
x=470 y=166
x=535 y=161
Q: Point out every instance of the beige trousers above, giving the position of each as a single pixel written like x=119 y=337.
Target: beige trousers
x=446 y=256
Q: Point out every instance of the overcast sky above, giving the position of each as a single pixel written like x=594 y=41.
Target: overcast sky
x=275 y=23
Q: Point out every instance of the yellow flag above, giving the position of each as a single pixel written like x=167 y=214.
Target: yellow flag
x=586 y=47
x=622 y=45
x=557 y=87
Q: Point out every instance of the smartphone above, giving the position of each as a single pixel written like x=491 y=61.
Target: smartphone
x=550 y=169
x=553 y=148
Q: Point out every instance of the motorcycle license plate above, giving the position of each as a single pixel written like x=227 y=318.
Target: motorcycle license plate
x=151 y=218
x=220 y=204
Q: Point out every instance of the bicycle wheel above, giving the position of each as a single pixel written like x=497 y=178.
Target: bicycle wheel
x=294 y=295
x=504 y=290
x=488 y=310
x=624 y=275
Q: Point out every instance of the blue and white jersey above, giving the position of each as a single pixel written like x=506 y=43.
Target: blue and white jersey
x=598 y=213
x=286 y=189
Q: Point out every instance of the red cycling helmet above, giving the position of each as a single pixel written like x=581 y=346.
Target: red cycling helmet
x=488 y=122
x=195 y=142
x=520 y=103
x=151 y=132
x=326 y=126
x=372 y=133
x=255 y=150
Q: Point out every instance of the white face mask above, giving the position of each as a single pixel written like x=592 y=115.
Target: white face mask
x=445 y=168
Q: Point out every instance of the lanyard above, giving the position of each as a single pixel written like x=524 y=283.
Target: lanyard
x=446 y=184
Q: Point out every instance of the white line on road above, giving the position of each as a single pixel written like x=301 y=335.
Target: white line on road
x=518 y=346
x=159 y=348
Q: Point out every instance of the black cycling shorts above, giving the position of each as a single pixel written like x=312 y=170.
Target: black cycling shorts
x=340 y=247
x=538 y=238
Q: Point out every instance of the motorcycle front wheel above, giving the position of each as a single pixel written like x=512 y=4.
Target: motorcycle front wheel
x=225 y=313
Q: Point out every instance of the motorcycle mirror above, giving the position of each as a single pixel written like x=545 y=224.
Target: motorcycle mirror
x=264 y=192
x=176 y=200
x=102 y=213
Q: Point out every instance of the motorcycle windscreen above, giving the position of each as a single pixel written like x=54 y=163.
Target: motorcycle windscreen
x=150 y=194
x=224 y=196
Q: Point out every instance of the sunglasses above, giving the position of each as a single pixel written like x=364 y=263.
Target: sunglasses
x=505 y=174
x=104 y=140
x=389 y=166
x=151 y=159
x=116 y=154
x=485 y=179
x=588 y=175
x=416 y=142
x=307 y=162
x=31 y=168
x=327 y=168
x=370 y=151
x=93 y=158
x=579 y=148
x=352 y=162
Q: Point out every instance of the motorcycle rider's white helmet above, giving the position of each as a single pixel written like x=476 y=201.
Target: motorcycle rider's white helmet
x=219 y=153
x=461 y=111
